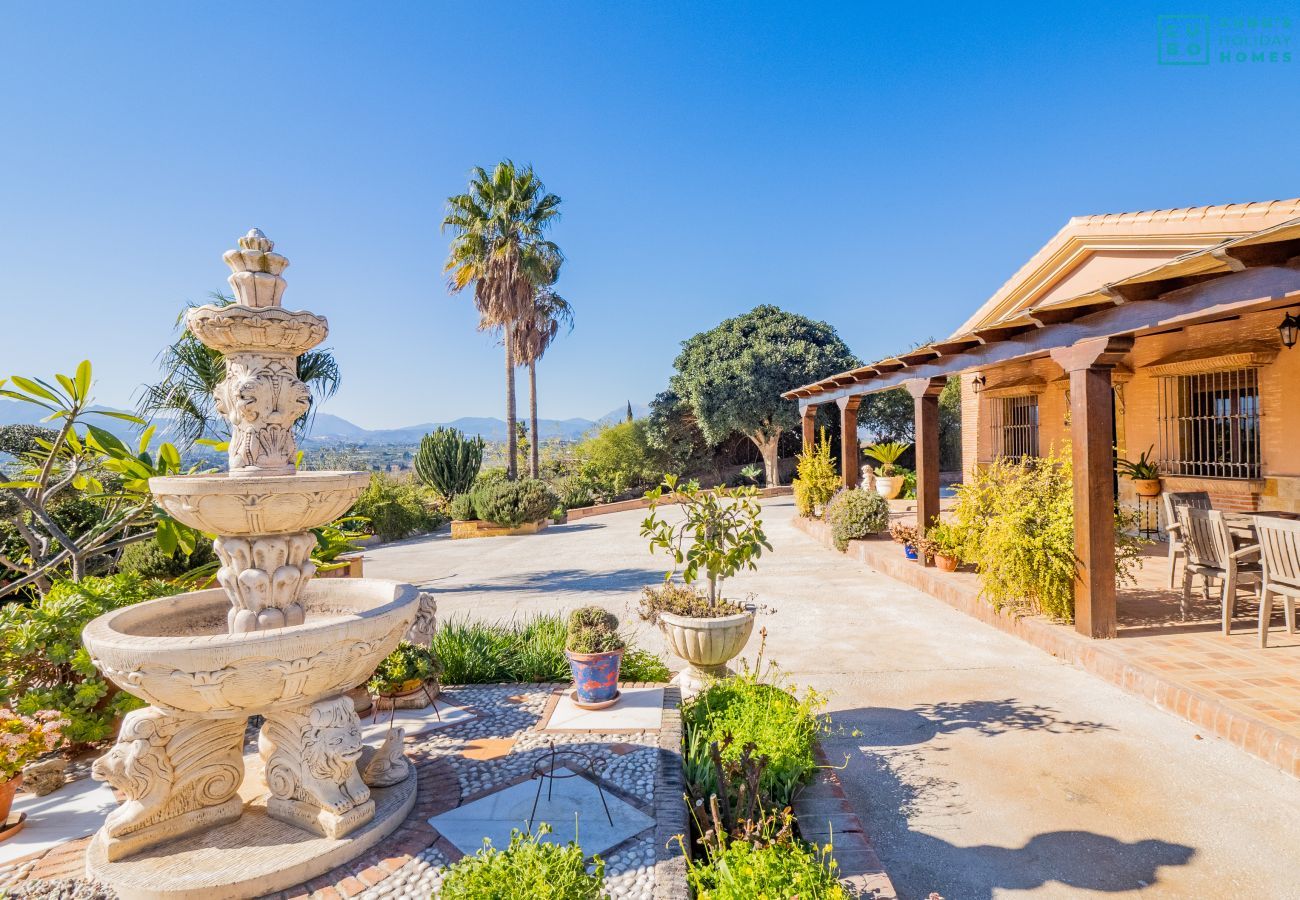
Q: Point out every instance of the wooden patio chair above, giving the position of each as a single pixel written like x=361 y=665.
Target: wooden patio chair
x=1210 y=554
x=1279 y=544
x=1194 y=499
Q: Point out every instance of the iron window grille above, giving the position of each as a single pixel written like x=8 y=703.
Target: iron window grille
x=1014 y=421
x=1209 y=424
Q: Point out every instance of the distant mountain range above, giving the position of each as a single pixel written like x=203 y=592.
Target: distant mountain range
x=328 y=429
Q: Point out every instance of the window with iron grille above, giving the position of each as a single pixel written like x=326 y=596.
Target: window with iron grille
x=1015 y=425
x=1209 y=424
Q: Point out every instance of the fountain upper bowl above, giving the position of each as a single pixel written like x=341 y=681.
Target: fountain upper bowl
x=175 y=653
x=226 y=504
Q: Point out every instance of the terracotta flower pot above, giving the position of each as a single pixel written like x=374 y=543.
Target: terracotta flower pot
x=7 y=789
x=945 y=563
x=595 y=677
x=1147 y=487
x=706 y=645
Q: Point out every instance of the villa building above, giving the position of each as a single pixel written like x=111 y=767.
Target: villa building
x=1168 y=330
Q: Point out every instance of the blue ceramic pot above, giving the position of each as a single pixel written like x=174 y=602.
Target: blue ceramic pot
x=909 y=551
x=595 y=676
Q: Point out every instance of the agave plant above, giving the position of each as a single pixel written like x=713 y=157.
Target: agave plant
x=887 y=454
x=1143 y=469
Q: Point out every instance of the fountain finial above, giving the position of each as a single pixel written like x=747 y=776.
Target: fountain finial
x=256 y=239
x=256 y=269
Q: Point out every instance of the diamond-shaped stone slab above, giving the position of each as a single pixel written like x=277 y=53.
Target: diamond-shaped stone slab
x=415 y=721
x=573 y=810
x=73 y=811
x=637 y=709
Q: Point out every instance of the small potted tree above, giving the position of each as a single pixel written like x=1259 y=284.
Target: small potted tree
x=407 y=678
x=595 y=651
x=889 y=481
x=718 y=534
x=945 y=542
x=22 y=740
x=1144 y=473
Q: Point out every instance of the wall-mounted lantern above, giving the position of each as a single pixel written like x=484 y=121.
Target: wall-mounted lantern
x=978 y=384
x=1290 y=330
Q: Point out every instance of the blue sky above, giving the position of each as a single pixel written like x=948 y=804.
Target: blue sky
x=885 y=169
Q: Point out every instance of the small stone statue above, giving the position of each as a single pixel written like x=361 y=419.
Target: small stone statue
x=387 y=765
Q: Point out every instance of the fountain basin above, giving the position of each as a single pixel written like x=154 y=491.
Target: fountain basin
x=219 y=503
x=175 y=654
x=267 y=329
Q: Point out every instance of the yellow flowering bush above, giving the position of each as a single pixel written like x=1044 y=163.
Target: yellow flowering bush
x=816 y=478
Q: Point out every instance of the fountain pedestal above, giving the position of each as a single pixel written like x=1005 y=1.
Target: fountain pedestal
x=271 y=642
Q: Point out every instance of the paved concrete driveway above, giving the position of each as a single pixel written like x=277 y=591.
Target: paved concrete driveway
x=982 y=767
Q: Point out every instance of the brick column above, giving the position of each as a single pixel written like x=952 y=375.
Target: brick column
x=1092 y=410
x=808 y=415
x=925 y=395
x=850 y=456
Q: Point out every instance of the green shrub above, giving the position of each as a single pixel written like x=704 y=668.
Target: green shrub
x=745 y=710
x=617 y=459
x=529 y=868
x=493 y=475
x=816 y=478
x=147 y=559
x=512 y=503
x=574 y=491
x=754 y=870
x=398 y=509
x=1017 y=521
x=43 y=665
x=529 y=651
x=448 y=462
x=461 y=508
x=855 y=514
x=593 y=630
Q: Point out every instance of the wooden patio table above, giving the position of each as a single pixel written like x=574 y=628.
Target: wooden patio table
x=1242 y=525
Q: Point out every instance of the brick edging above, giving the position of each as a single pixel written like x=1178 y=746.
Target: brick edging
x=1098 y=657
x=670 y=804
x=825 y=816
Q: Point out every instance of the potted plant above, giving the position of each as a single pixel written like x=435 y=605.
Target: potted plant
x=718 y=533
x=595 y=650
x=406 y=678
x=889 y=481
x=945 y=542
x=904 y=534
x=1144 y=473
x=22 y=740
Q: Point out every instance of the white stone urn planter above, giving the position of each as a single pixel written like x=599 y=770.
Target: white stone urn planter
x=889 y=487
x=706 y=645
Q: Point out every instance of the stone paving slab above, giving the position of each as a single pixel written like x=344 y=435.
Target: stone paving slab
x=637 y=709
x=74 y=811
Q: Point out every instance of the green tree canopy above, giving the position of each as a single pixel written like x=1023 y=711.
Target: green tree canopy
x=732 y=376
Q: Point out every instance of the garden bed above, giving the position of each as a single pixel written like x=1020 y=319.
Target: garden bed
x=474 y=528
x=600 y=509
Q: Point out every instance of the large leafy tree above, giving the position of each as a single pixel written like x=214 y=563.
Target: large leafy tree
x=732 y=376
x=499 y=247
x=191 y=371
x=534 y=334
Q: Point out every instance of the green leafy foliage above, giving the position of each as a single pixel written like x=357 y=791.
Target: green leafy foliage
x=887 y=453
x=398 y=509
x=147 y=559
x=512 y=503
x=747 y=714
x=774 y=869
x=732 y=376
x=461 y=508
x=855 y=514
x=574 y=491
x=528 y=867
x=335 y=539
x=719 y=534
x=43 y=665
x=408 y=662
x=617 y=459
x=448 y=461
x=948 y=539
x=1017 y=521
x=1144 y=468
x=528 y=651
x=816 y=477
x=593 y=630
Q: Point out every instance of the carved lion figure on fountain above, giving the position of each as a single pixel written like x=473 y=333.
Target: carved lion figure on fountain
x=312 y=756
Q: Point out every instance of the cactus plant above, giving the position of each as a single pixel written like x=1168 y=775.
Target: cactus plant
x=448 y=462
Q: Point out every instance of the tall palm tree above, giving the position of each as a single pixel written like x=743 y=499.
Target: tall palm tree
x=499 y=246
x=191 y=371
x=534 y=334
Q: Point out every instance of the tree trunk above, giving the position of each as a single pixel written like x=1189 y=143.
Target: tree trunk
x=533 y=439
x=512 y=442
x=768 y=446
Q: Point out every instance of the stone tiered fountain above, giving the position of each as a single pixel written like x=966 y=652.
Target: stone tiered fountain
x=269 y=642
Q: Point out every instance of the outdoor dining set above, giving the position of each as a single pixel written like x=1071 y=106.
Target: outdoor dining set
x=1259 y=551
